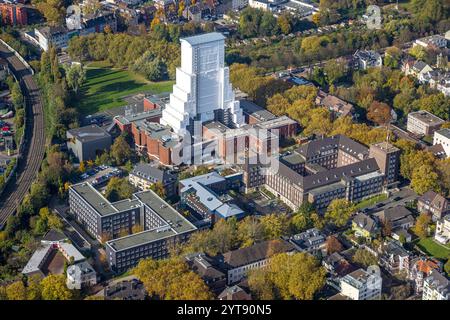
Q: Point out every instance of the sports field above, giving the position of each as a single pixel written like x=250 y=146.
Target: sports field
x=105 y=87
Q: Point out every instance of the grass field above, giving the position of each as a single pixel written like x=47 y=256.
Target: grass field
x=429 y=246
x=371 y=201
x=106 y=87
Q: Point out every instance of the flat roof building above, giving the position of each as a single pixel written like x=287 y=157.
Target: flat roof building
x=87 y=142
x=160 y=223
x=423 y=123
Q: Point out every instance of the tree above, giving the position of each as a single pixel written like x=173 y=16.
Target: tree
x=222 y=238
x=34 y=287
x=82 y=167
x=167 y=280
x=91 y=7
x=294 y=276
x=421 y=226
x=118 y=189
x=16 y=291
x=250 y=231
x=424 y=178
x=54 y=288
x=159 y=189
x=260 y=285
x=379 y=112
x=137 y=228
x=75 y=76
x=364 y=258
x=284 y=23
x=333 y=245
x=392 y=57
x=418 y=52
x=53 y=11
x=268 y=24
x=300 y=222
x=121 y=151
x=339 y=212
x=275 y=225
x=334 y=71
x=447 y=267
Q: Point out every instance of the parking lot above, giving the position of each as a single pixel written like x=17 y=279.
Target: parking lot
x=400 y=198
x=98 y=176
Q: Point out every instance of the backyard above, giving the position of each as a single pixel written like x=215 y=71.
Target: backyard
x=105 y=87
x=432 y=248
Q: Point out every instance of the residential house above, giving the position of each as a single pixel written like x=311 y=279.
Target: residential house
x=238 y=262
x=362 y=284
x=442 y=234
x=364 y=59
x=421 y=268
x=394 y=258
x=442 y=137
x=337 y=265
x=436 y=287
x=337 y=106
x=365 y=226
x=435 y=42
x=312 y=240
x=144 y=175
x=423 y=122
x=234 y=293
x=206 y=267
x=397 y=217
x=434 y=204
x=80 y=275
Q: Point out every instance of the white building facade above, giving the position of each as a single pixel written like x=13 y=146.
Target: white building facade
x=436 y=287
x=362 y=285
x=202 y=91
x=80 y=275
x=442 y=137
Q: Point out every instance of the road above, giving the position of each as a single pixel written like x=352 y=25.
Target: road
x=29 y=161
x=84 y=239
x=405 y=195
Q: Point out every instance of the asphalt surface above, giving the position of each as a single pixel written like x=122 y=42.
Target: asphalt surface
x=33 y=151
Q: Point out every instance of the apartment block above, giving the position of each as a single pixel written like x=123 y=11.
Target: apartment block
x=423 y=122
x=321 y=171
x=436 y=287
x=388 y=159
x=362 y=285
x=162 y=226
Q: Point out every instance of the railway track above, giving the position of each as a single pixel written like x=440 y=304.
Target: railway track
x=30 y=159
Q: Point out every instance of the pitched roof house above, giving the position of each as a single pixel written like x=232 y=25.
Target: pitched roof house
x=238 y=262
x=434 y=203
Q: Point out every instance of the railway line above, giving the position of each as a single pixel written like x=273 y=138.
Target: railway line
x=32 y=153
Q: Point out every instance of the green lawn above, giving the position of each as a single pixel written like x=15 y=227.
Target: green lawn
x=105 y=87
x=371 y=201
x=429 y=246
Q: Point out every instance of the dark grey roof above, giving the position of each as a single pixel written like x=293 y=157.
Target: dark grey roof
x=445 y=132
x=394 y=214
x=318 y=146
x=434 y=200
x=88 y=133
x=331 y=176
x=256 y=111
x=54 y=235
x=439 y=282
x=337 y=174
x=365 y=222
x=257 y=252
x=153 y=174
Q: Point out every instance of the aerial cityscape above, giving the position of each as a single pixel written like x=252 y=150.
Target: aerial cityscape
x=224 y=150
